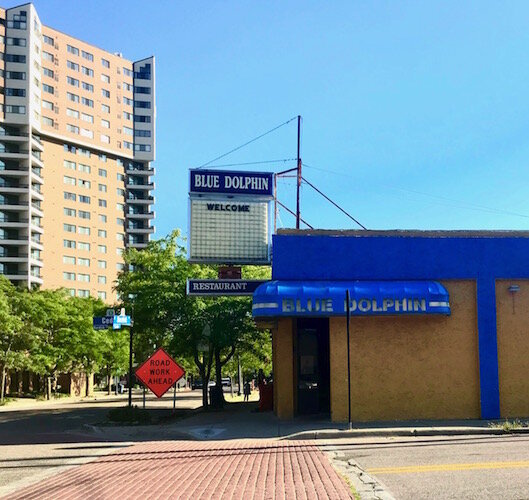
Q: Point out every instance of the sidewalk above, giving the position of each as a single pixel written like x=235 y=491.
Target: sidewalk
x=213 y=470
x=241 y=421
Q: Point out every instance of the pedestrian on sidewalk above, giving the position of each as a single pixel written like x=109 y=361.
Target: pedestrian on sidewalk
x=247 y=391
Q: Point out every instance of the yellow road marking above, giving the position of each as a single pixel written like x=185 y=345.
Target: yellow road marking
x=410 y=469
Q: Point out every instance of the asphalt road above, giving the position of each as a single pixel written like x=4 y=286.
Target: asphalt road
x=40 y=439
x=457 y=467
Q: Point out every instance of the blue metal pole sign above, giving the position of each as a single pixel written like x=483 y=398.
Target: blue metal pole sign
x=232 y=182
x=214 y=288
x=121 y=320
x=102 y=322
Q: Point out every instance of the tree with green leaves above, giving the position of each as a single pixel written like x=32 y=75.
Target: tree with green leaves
x=205 y=330
x=114 y=349
x=15 y=338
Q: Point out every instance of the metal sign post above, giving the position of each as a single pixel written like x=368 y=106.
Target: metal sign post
x=174 y=397
x=348 y=314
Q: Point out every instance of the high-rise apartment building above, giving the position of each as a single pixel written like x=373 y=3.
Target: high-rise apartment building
x=77 y=129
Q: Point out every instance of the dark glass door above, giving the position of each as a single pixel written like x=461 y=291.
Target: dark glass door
x=313 y=366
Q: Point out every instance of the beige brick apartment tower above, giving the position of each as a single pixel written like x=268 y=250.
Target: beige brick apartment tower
x=77 y=128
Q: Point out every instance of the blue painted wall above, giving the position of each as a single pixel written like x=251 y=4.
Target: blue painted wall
x=348 y=257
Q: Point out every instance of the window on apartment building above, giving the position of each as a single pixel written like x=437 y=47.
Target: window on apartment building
x=48 y=39
x=127 y=115
x=72 y=50
x=128 y=72
x=72 y=65
x=69 y=164
x=102 y=233
x=68 y=276
x=128 y=131
x=16 y=75
x=72 y=97
x=88 y=86
x=120 y=237
x=16 y=110
x=87 y=55
x=102 y=187
x=102 y=248
x=83 y=262
x=18 y=58
x=127 y=101
x=19 y=24
x=105 y=108
x=83 y=183
x=142 y=119
x=102 y=218
x=18 y=42
x=84 y=199
x=15 y=92
x=84 y=214
x=69 y=149
x=87 y=118
x=83 y=293
x=72 y=128
x=87 y=133
x=128 y=87
x=120 y=207
x=142 y=104
x=83 y=246
x=120 y=266
x=84 y=230
x=87 y=102
x=120 y=221
x=120 y=177
x=67 y=259
x=47 y=105
x=105 y=139
x=83 y=277
x=103 y=157
x=81 y=151
x=102 y=280
x=102 y=203
x=105 y=78
x=105 y=123
x=72 y=112
x=120 y=192
x=48 y=88
x=70 y=212
x=102 y=264
x=69 y=228
x=72 y=81
x=102 y=295
x=68 y=180
x=142 y=133
x=87 y=71
x=102 y=173
x=68 y=243
x=142 y=90
x=128 y=145
x=47 y=56
x=84 y=168
x=105 y=63
x=142 y=147
x=119 y=251
x=47 y=121
x=105 y=93
x=48 y=72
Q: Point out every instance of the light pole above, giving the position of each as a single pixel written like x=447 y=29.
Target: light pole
x=348 y=314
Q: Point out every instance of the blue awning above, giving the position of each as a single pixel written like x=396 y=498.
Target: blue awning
x=367 y=298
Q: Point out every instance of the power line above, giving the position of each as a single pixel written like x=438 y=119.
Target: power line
x=283 y=160
x=335 y=204
x=293 y=213
x=462 y=204
x=249 y=142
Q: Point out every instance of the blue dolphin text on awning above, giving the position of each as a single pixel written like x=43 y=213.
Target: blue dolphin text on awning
x=367 y=298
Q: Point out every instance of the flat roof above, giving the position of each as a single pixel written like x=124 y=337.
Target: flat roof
x=406 y=233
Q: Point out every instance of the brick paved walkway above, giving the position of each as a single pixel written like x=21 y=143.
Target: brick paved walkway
x=240 y=469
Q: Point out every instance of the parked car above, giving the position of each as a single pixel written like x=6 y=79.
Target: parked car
x=198 y=384
x=226 y=382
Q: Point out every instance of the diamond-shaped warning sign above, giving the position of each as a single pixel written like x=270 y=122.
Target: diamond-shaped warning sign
x=160 y=372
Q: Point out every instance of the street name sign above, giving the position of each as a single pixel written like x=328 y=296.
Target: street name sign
x=213 y=288
x=102 y=322
x=160 y=372
x=121 y=320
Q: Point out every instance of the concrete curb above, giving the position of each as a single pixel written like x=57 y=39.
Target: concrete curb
x=402 y=432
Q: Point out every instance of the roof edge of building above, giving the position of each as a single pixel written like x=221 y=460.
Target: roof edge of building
x=407 y=233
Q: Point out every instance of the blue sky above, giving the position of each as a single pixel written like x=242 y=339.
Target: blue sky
x=415 y=114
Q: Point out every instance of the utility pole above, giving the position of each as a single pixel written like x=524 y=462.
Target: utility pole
x=298 y=214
